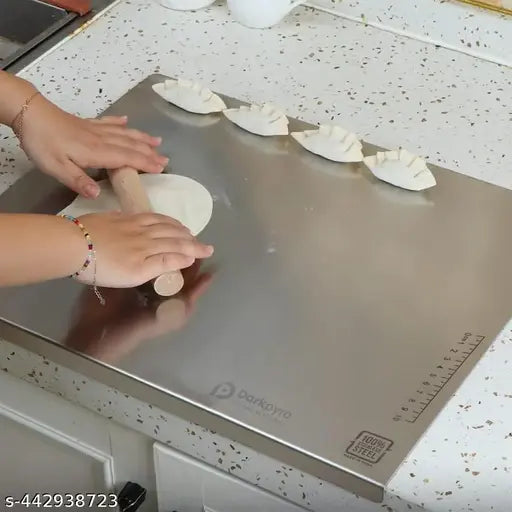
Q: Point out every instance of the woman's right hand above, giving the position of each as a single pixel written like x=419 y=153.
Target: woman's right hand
x=133 y=249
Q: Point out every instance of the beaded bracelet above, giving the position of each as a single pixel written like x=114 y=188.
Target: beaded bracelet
x=91 y=256
x=90 y=246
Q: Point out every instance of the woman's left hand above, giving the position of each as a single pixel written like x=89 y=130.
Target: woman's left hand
x=64 y=146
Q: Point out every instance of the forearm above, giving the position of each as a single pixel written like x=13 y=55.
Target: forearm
x=39 y=248
x=14 y=91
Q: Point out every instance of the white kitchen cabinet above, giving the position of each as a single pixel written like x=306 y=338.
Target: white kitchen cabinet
x=185 y=484
x=49 y=445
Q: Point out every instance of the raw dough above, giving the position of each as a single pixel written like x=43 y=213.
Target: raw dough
x=265 y=119
x=183 y=117
x=402 y=169
x=179 y=197
x=268 y=145
x=189 y=96
x=331 y=142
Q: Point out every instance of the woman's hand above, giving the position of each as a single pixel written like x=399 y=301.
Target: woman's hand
x=133 y=249
x=130 y=249
x=64 y=146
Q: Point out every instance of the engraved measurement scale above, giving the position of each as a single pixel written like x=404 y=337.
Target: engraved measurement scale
x=436 y=380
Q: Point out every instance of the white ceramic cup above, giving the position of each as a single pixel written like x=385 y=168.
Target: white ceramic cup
x=261 y=13
x=185 y=5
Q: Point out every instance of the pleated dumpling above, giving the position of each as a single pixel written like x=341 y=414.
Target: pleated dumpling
x=331 y=142
x=265 y=120
x=190 y=96
x=401 y=169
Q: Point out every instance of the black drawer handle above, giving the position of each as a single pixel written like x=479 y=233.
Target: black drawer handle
x=131 y=497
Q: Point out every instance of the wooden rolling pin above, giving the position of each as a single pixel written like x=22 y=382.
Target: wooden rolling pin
x=133 y=199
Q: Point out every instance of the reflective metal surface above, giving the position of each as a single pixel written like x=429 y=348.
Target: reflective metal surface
x=335 y=320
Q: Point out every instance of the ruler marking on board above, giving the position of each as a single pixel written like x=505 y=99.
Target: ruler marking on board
x=437 y=379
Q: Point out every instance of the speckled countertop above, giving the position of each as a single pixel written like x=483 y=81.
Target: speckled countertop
x=449 y=107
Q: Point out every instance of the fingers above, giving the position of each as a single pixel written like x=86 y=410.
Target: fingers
x=162 y=231
x=113 y=120
x=131 y=135
x=119 y=146
x=159 y=264
x=76 y=179
x=126 y=142
x=111 y=156
x=184 y=246
x=157 y=220
x=117 y=126
x=174 y=254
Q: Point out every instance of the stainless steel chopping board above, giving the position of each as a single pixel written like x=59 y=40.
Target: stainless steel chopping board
x=342 y=312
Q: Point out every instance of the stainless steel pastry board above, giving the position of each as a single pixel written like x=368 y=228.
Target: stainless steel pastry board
x=342 y=313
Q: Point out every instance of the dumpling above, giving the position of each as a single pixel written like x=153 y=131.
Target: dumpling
x=331 y=142
x=190 y=96
x=266 y=119
x=401 y=169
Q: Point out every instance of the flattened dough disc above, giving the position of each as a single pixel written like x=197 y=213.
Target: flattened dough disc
x=179 y=197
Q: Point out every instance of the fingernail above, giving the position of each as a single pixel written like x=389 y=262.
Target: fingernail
x=163 y=160
x=210 y=249
x=92 y=191
x=125 y=118
x=158 y=140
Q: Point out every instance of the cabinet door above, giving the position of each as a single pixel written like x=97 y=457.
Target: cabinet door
x=188 y=485
x=48 y=445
